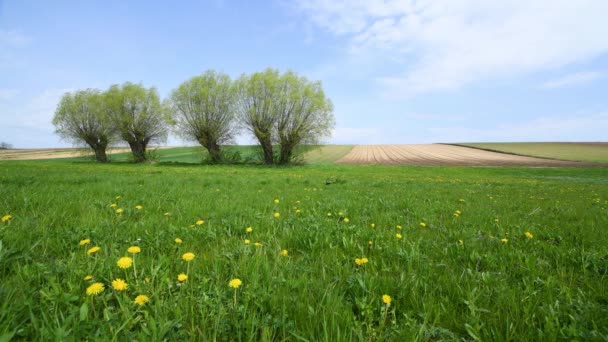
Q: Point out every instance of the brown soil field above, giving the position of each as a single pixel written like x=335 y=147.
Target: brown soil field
x=52 y=153
x=444 y=155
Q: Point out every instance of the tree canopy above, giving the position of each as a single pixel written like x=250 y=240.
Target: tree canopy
x=81 y=117
x=202 y=110
x=138 y=116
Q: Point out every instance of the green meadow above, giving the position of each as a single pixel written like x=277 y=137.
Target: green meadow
x=586 y=152
x=489 y=254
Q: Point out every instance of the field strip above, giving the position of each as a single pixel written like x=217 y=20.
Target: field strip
x=58 y=153
x=444 y=155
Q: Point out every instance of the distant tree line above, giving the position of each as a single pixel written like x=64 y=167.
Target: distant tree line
x=281 y=110
x=5 y=146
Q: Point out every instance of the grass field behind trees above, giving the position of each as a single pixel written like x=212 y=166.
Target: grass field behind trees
x=590 y=152
x=464 y=253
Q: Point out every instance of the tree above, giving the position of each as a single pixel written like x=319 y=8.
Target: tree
x=81 y=118
x=5 y=146
x=202 y=109
x=285 y=109
x=257 y=109
x=306 y=114
x=137 y=116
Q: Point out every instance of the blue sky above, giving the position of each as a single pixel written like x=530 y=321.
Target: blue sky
x=397 y=71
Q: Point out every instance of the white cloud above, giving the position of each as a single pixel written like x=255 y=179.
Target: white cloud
x=578 y=78
x=447 y=44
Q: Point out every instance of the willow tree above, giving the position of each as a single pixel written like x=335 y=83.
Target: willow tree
x=305 y=114
x=138 y=117
x=257 y=107
x=283 y=109
x=202 y=109
x=81 y=118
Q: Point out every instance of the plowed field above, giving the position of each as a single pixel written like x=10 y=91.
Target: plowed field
x=438 y=154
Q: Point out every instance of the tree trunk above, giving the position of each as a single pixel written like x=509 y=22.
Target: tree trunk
x=214 y=152
x=267 y=149
x=100 y=154
x=286 y=152
x=138 y=149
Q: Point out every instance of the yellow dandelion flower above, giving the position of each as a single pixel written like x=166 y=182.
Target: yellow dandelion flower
x=258 y=244
x=146 y=280
x=284 y=252
x=298 y=211
x=7 y=217
x=167 y=214
x=235 y=283
x=118 y=197
x=276 y=201
x=422 y=224
x=141 y=300
x=528 y=235
x=134 y=250
x=199 y=222
x=458 y=212
x=113 y=205
x=276 y=215
x=329 y=215
x=95 y=289
x=346 y=220
x=386 y=299
x=119 y=284
x=93 y=250
x=182 y=277
x=456 y=215
x=249 y=229
x=370 y=242
x=373 y=225
x=504 y=240
x=398 y=227
x=340 y=213
x=84 y=242
x=88 y=278
x=398 y=236
x=124 y=262
x=361 y=261
x=460 y=242
x=139 y=207
x=119 y=211
x=247 y=241
x=178 y=241
x=188 y=256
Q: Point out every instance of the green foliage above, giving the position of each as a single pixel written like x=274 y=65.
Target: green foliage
x=138 y=116
x=284 y=109
x=202 y=109
x=548 y=287
x=81 y=117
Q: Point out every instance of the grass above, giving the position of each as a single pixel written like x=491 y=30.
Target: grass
x=326 y=154
x=588 y=152
x=452 y=279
